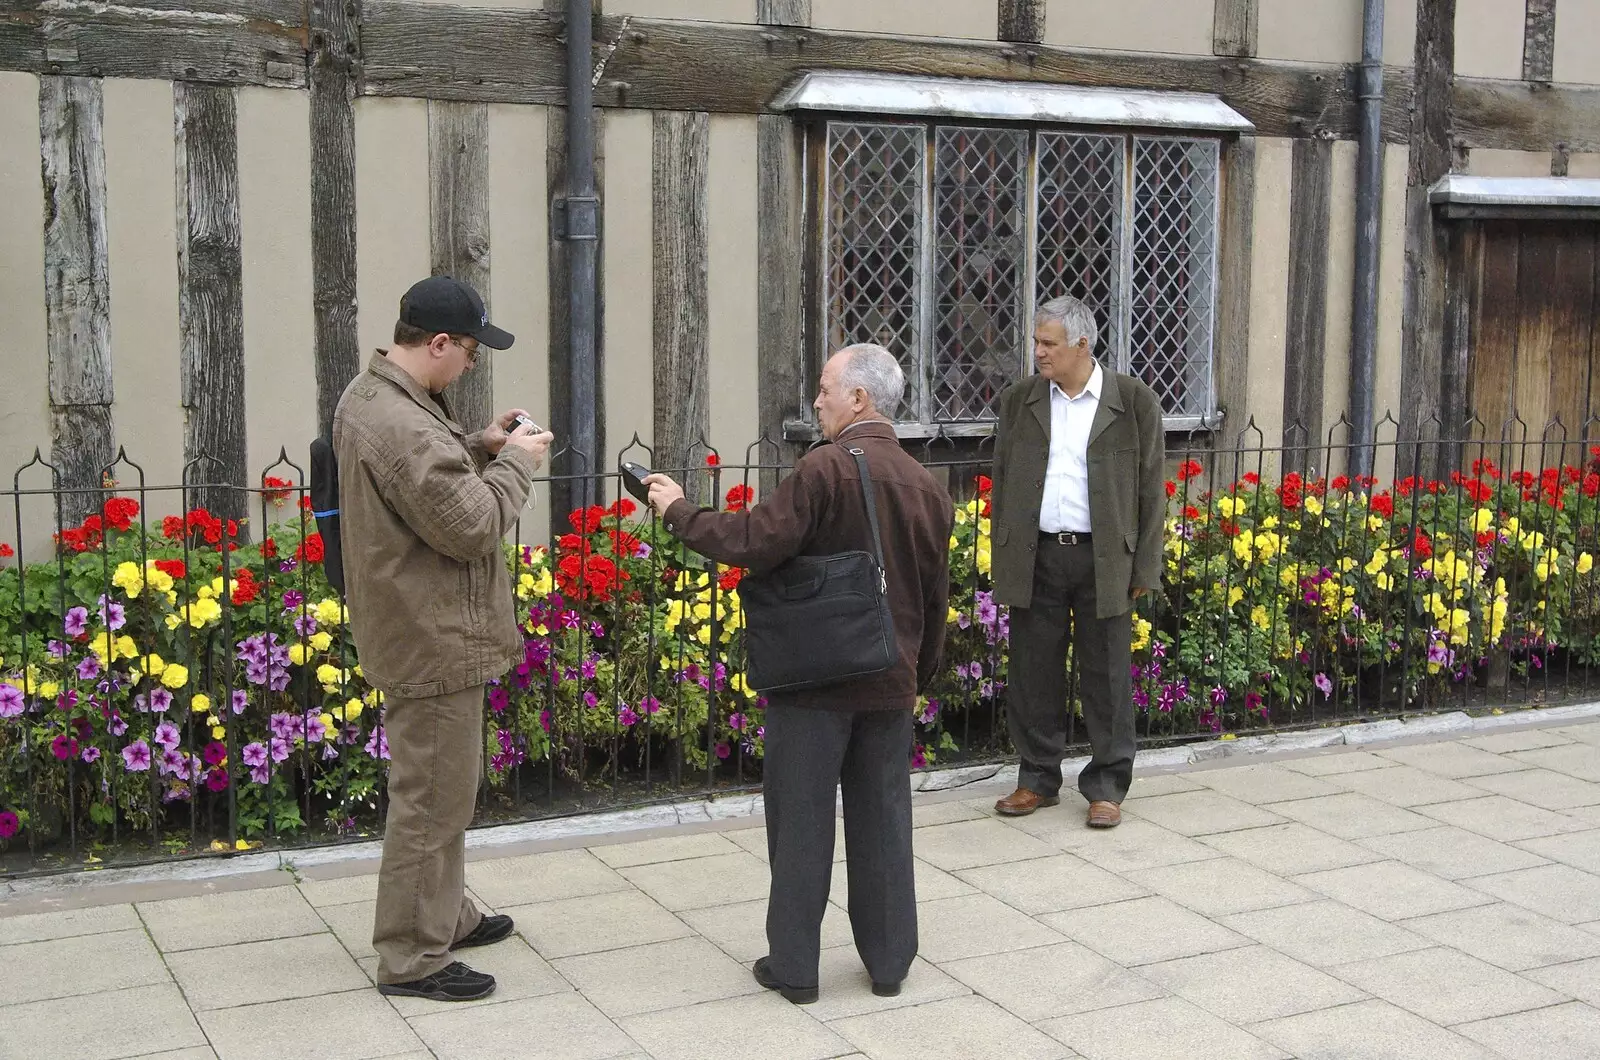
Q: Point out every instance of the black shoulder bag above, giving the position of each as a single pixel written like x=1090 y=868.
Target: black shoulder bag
x=819 y=620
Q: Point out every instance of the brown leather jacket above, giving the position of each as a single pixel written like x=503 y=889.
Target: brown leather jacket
x=423 y=512
x=819 y=510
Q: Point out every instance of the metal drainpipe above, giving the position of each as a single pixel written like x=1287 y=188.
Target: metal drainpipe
x=1369 y=208
x=582 y=238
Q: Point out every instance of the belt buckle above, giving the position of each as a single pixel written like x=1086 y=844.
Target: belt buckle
x=1067 y=537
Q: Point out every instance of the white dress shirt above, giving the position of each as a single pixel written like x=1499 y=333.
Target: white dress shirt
x=1065 y=506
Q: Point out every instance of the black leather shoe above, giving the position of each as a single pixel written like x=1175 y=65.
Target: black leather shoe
x=886 y=989
x=456 y=982
x=799 y=995
x=490 y=929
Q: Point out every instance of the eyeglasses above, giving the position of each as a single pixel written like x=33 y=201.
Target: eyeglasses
x=470 y=351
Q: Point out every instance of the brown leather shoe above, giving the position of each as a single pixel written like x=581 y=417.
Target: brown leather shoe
x=1104 y=815
x=1022 y=802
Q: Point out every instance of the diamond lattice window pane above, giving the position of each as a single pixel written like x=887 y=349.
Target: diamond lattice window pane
x=1079 y=227
x=1172 y=292
x=876 y=184
x=980 y=269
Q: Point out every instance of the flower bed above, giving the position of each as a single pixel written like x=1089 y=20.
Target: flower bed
x=173 y=678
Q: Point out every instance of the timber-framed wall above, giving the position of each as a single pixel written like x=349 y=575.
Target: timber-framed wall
x=302 y=136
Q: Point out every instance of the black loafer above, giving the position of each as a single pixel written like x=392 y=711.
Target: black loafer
x=489 y=930
x=799 y=995
x=886 y=989
x=456 y=982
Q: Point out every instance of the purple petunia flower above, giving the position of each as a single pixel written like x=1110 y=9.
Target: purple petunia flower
x=58 y=649
x=136 y=756
x=11 y=702
x=590 y=700
x=112 y=614
x=90 y=755
x=261 y=775
x=166 y=735
x=171 y=762
x=116 y=725
x=736 y=721
x=278 y=748
x=627 y=717
x=89 y=668
x=160 y=700
x=378 y=742
x=76 y=624
x=239 y=700
x=929 y=713
x=254 y=755
x=1324 y=685
x=650 y=705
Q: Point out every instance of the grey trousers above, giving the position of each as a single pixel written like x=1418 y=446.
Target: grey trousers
x=809 y=753
x=1036 y=704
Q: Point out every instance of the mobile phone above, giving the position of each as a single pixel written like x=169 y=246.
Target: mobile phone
x=523 y=421
x=633 y=476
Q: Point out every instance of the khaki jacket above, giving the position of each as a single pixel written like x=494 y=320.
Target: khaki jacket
x=423 y=512
x=820 y=510
x=1127 y=495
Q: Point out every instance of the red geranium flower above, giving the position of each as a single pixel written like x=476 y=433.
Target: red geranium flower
x=172 y=568
x=248 y=587
x=172 y=528
x=713 y=460
x=739 y=498
x=586 y=520
x=269 y=549
x=120 y=512
x=1172 y=488
x=6 y=552
x=622 y=509
x=985 y=485
x=731 y=578
x=311 y=550
x=1383 y=505
x=1188 y=470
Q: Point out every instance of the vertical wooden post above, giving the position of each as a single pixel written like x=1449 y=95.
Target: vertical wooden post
x=1429 y=160
x=1305 y=336
x=211 y=295
x=781 y=348
x=680 y=318
x=783 y=12
x=458 y=201
x=76 y=288
x=1539 y=41
x=335 y=61
x=1233 y=287
x=1021 y=21
x=1234 y=27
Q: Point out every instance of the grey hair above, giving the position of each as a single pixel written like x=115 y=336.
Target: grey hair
x=875 y=370
x=1075 y=318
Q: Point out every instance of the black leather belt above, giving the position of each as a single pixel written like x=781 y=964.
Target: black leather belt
x=1065 y=537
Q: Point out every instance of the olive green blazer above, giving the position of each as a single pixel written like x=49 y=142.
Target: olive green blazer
x=1127 y=494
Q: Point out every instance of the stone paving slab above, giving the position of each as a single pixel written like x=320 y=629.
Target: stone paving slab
x=1353 y=899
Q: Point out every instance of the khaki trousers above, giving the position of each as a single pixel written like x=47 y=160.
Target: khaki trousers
x=435 y=762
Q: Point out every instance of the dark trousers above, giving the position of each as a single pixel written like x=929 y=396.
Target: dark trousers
x=1036 y=704
x=809 y=753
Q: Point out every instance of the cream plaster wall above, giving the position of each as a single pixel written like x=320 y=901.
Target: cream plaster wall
x=280 y=385
x=391 y=212
x=1491 y=162
x=1577 y=55
x=1583 y=166
x=519 y=277
x=1179 y=26
x=142 y=252
x=929 y=18
x=1269 y=293
x=1489 y=38
x=24 y=399
x=1329 y=31
x=699 y=10
x=732 y=237
x=629 y=345
x=1341 y=291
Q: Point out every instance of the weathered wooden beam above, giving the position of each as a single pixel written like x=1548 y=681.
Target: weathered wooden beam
x=254 y=42
x=1305 y=339
x=1021 y=21
x=1237 y=230
x=210 y=295
x=781 y=250
x=1539 y=41
x=1422 y=342
x=458 y=232
x=1465 y=267
x=783 y=12
x=680 y=318
x=77 y=291
x=335 y=73
x=1235 y=27
x=1524 y=115
x=721 y=68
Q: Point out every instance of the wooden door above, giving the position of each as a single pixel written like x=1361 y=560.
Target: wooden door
x=1532 y=379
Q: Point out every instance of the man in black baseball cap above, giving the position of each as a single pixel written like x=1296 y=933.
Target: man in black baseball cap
x=445 y=305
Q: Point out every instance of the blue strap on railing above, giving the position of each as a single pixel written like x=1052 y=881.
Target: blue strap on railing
x=325 y=515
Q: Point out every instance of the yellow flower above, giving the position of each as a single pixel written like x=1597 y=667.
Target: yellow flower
x=738 y=683
x=49 y=689
x=525 y=584
x=954 y=544
x=129 y=579
x=156 y=578
x=703 y=635
x=954 y=617
x=961 y=518
x=321 y=640
x=1384 y=582
x=1374 y=524
x=983 y=557
x=328 y=676
x=218 y=732
x=353 y=708
x=1585 y=563
x=329 y=728
x=1244 y=546
x=1512 y=525
x=1141 y=634
x=701 y=612
x=125 y=648
x=298 y=653
x=200 y=704
x=331 y=613
x=175 y=676
x=1235 y=594
x=1227 y=506
x=1482 y=519
x=1259 y=618
x=1313 y=504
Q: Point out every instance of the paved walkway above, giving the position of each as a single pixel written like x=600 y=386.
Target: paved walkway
x=1437 y=900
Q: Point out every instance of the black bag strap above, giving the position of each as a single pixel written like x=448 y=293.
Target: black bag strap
x=870 y=496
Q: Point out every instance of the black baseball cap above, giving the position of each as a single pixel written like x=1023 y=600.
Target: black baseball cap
x=446 y=304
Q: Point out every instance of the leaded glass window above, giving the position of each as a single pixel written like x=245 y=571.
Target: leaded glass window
x=939 y=240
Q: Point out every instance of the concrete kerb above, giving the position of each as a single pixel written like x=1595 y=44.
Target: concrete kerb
x=745 y=810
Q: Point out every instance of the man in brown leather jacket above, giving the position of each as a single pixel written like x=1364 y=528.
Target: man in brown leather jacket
x=856 y=733
x=425 y=507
